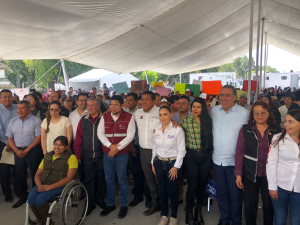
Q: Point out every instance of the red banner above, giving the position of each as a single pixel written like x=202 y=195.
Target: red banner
x=253 y=85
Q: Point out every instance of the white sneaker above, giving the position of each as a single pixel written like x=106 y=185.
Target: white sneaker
x=163 y=221
x=173 y=221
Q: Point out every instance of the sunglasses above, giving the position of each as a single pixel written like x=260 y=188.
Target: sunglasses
x=28 y=99
x=54 y=110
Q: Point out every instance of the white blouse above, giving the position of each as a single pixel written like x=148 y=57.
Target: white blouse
x=283 y=165
x=169 y=144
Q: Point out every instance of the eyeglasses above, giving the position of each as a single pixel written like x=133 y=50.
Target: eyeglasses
x=264 y=113
x=28 y=99
x=54 y=110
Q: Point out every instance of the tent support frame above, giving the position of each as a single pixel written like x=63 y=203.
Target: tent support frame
x=257 y=49
x=250 y=50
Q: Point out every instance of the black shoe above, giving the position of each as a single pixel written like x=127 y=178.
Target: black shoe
x=9 y=199
x=90 y=209
x=153 y=209
x=180 y=201
x=221 y=223
x=135 y=201
x=20 y=202
x=148 y=203
x=198 y=215
x=189 y=219
x=101 y=203
x=107 y=210
x=123 y=212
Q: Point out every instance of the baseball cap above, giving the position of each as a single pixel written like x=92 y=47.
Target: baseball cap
x=164 y=100
x=187 y=90
x=243 y=95
x=204 y=96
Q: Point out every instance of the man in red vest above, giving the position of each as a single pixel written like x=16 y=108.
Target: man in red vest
x=116 y=132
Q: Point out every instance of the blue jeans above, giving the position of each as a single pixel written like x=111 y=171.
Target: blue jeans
x=40 y=198
x=112 y=166
x=287 y=203
x=229 y=196
x=168 y=189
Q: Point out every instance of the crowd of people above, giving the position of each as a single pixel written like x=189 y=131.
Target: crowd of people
x=163 y=142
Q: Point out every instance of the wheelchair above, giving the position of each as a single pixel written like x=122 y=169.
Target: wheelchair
x=73 y=203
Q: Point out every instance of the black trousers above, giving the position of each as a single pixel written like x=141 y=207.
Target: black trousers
x=32 y=161
x=168 y=189
x=196 y=167
x=140 y=186
x=7 y=171
x=251 y=198
x=94 y=179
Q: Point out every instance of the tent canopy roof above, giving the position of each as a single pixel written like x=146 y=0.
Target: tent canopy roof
x=92 y=75
x=167 y=36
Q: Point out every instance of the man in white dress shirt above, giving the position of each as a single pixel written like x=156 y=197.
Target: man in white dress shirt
x=284 y=109
x=81 y=111
x=147 y=119
x=75 y=117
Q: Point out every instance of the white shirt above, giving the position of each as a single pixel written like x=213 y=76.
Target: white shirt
x=146 y=123
x=283 y=111
x=75 y=118
x=55 y=130
x=283 y=165
x=169 y=144
x=126 y=141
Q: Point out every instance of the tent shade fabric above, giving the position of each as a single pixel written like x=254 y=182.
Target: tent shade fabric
x=167 y=36
x=97 y=77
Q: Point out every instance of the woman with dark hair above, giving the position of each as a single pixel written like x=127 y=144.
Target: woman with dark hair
x=283 y=171
x=92 y=95
x=54 y=125
x=250 y=161
x=267 y=99
x=198 y=159
x=167 y=157
x=36 y=106
x=57 y=169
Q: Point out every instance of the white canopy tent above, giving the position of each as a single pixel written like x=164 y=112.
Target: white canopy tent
x=167 y=36
x=97 y=77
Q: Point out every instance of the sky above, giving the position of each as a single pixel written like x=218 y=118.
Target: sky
x=282 y=60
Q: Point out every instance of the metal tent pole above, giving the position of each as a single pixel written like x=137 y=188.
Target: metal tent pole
x=180 y=78
x=257 y=48
x=250 y=50
x=261 y=54
x=66 y=76
x=146 y=76
x=265 y=63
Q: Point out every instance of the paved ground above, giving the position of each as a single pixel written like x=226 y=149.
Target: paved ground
x=9 y=216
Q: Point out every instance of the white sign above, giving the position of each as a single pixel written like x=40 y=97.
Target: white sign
x=21 y=92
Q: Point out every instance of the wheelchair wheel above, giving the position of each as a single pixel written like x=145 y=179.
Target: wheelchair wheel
x=30 y=217
x=74 y=205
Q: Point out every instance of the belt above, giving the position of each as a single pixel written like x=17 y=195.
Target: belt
x=147 y=149
x=22 y=148
x=165 y=159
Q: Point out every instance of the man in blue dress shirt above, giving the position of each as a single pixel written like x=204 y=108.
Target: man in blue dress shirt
x=24 y=136
x=227 y=120
x=8 y=110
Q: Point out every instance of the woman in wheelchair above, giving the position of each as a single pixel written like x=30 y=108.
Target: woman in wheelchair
x=57 y=169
